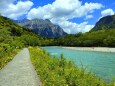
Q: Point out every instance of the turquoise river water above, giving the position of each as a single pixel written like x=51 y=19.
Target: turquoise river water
x=100 y=63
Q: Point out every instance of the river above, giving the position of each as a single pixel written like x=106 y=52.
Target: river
x=100 y=63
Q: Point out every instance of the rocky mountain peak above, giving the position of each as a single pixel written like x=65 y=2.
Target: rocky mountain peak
x=42 y=27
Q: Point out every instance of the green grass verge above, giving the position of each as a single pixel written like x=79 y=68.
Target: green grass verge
x=7 y=57
x=60 y=72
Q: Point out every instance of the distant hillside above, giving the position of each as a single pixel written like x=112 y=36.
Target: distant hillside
x=100 y=38
x=14 y=36
x=107 y=22
x=42 y=27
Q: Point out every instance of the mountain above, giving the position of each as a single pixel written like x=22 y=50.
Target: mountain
x=15 y=36
x=107 y=22
x=42 y=27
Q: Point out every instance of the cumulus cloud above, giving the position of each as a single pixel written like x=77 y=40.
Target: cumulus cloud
x=60 y=11
x=107 y=12
x=63 y=9
x=73 y=28
x=14 y=11
x=88 y=17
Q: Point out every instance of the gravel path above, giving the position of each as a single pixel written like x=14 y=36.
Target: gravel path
x=19 y=72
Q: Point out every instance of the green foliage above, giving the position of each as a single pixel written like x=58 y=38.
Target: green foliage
x=15 y=31
x=6 y=54
x=96 y=38
x=60 y=72
x=30 y=40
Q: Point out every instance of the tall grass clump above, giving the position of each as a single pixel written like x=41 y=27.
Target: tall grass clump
x=7 y=53
x=60 y=72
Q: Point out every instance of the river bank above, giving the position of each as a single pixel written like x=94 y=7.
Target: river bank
x=101 y=49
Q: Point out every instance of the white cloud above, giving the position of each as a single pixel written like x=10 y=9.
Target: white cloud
x=107 y=12
x=73 y=28
x=60 y=11
x=88 y=17
x=66 y=9
x=15 y=10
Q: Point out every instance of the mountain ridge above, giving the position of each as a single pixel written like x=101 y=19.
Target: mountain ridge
x=42 y=27
x=107 y=22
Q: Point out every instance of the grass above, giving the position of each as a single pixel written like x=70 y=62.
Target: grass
x=60 y=72
x=7 y=57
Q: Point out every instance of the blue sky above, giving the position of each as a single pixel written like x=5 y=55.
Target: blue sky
x=107 y=4
x=72 y=15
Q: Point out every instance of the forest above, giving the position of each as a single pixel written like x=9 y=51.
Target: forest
x=100 y=38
